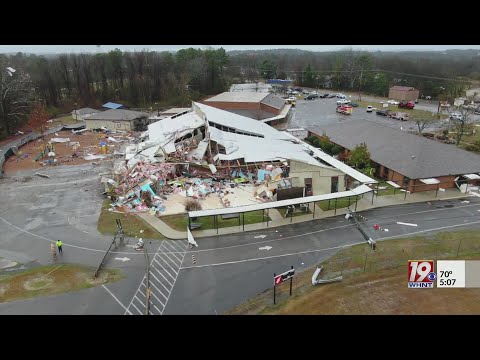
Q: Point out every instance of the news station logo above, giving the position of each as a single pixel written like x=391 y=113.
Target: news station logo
x=421 y=274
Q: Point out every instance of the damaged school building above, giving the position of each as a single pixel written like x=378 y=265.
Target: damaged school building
x=223 y=160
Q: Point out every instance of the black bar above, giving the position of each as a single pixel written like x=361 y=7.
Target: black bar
x=314 y=209
x=291 y=216
x=356 y=202
x=217 y=222
x=335 y=206
x=274 y=286
x=349 y=201
x=436 y=192
x=189 y=223
x=373 y=195
x=238 y=219
x=268 y=215
x=405 y=198
x=328 y=204
x=263 y=215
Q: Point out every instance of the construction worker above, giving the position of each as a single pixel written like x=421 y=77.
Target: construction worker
x=59 y=245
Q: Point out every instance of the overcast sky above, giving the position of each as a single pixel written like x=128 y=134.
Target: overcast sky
x=51 y=49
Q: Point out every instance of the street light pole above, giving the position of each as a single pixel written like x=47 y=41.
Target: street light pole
x=76 y=112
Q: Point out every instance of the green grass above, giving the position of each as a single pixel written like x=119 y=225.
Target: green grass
x=52 y=279
x=391 y=190
x=180 y=221
x=374 y=282
x=412 y=113
x=341 y=203
x=131 y=224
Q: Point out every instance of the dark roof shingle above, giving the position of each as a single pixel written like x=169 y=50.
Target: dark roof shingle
x=409 y=154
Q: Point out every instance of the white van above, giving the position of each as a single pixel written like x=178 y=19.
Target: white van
x=369 y=108
x=341 y=96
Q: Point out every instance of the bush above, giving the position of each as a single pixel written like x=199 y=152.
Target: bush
x=192 y=205
x=336 y=149
x=472 y=147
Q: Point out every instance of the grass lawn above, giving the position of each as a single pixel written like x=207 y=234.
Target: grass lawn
x=180 y=221
x=375 y=282
x=131 y=223
x=64 y=120
x=341 y=203
x=412 y=113
x=390 y=190
x=52 y=279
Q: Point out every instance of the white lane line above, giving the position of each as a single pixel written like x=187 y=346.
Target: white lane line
x=143 y=279
x=174 y=256
x=164 y=278
x=153 y=294
x=141 y=313
x=170 y=266
x=141 y=301
x=274 y=256
x=427 y=230
x=144 y=295
x=173 y=277
x=151 y=273
x=175 y=249
x=408 y=224
x=159 y=311
x=337 y=247
x=176 y=246
x=332 y=228
x=153 y=284
x=118 y=301
x=166 y=302
x=68 y=245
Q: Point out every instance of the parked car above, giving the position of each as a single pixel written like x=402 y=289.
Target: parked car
x=324 y=96
x=407 y=105
x=310 y=97
x=331 y=96
x=456 y=116
x=393 y=102
x=342 y=101
x=369 y=108
x=305 y=92
x=383 y=112
x=353 y=104
x=416 y=101
x=399 y=116
x=341 y=96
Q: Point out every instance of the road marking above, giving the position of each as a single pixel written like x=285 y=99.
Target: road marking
x=169 y=283
x=273 y=256
x=333 y=228
x=170 y=266
x=118 y=301
x=123 y=259
x=175 y=279
x=165 y=271
x=332 y=248
x=408 y=224
x=137 y=309
x=265 y=248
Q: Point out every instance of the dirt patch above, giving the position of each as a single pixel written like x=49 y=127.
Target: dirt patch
x=65 y=154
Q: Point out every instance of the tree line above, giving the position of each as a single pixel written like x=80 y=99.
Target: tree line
x=148 y=79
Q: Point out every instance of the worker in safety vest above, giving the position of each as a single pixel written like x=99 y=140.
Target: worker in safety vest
x=59 y=246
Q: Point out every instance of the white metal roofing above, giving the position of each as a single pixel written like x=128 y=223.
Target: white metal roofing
x=256 y=149
x=362 y=189
x=167 y=127
x=239 y=122
x=472 y=176
x=430 y=181
x=357 y=175
x=239 y=96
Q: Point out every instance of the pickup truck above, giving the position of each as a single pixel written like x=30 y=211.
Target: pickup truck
x=408 y=105
x=399 y=116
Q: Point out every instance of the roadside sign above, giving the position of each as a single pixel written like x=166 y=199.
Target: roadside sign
x=278 y=279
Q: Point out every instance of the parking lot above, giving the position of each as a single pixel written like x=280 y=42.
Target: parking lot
x=319 y=112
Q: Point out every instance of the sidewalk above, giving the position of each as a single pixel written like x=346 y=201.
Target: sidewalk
x=277 y=220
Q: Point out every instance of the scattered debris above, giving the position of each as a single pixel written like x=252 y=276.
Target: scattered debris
x=42 y=175
x=315 y=275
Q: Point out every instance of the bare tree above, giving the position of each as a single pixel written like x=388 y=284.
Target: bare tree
x=16 y=93
x=423 y=122
x=460 y=121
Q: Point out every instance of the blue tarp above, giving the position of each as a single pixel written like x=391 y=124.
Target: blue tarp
x=111 y=105
x=262 y=173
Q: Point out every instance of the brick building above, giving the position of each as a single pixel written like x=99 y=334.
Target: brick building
x=403 y=93
x=409 y=160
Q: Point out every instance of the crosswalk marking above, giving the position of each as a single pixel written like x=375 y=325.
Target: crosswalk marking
x=164 y=268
